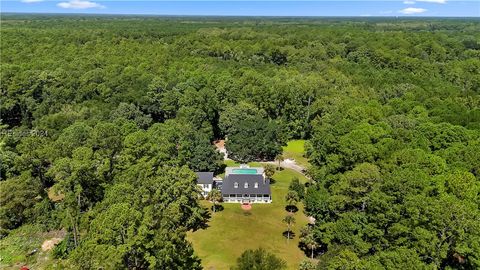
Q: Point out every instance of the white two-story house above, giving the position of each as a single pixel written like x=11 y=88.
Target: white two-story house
x=205 y=182
x=246 y=185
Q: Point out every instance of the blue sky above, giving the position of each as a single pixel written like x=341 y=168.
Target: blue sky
x=438 y=8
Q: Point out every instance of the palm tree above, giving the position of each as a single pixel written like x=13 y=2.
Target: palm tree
x=289 y=220
x=292 y=199
x=215 y=196
x=310 y=243
x=269 y=170
x=305 y=230
x=279 y=158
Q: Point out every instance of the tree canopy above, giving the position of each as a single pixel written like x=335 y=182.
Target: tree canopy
x=114 y=114
x=259 y=259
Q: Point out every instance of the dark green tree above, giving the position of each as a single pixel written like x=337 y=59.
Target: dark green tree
x=259 y=259
x=298 y=187
x=146 y=218
x=256 y=139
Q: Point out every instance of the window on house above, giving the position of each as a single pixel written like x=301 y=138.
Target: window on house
x=235 y=185
x=246 y=185
x=256 y=185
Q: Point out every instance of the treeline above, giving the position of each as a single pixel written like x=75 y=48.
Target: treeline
x=128 y=107
x=128 y=195
x=394 y=190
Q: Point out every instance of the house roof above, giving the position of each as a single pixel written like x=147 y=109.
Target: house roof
x=205 y=177
x=228 y=186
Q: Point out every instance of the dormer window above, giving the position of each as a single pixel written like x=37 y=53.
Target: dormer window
x=246 y=185
x=235 y=185
x=256 y=185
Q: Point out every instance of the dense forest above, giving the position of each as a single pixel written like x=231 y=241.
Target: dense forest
x=113 y=115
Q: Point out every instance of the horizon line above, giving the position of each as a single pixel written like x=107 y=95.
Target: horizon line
x=246 y=16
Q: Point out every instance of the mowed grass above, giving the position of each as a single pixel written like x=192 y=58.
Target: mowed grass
x=232 y=231
x=295 y=149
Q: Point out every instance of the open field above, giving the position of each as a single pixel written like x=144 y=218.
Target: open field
x=232 y=231
x=295 y=149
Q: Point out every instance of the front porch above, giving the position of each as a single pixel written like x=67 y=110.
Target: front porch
x=247 y=198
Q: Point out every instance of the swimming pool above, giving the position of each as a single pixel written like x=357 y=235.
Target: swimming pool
x=244 y=171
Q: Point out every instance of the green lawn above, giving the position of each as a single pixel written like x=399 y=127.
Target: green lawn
x=233 y=163
x=295 y=149
x=231 y=231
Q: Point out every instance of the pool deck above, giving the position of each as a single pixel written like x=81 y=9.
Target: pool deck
x=238 y=170
x=244 y=171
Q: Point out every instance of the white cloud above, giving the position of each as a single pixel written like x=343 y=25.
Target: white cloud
x=31 y=1
x=434 y=1
x=79 y=4
x=409 y=2
x=412 y=10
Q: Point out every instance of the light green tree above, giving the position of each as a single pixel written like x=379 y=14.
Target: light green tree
x=307 y=264
x=289 y=220
x=292 y=199
x=215 y=196
x=269 y=170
